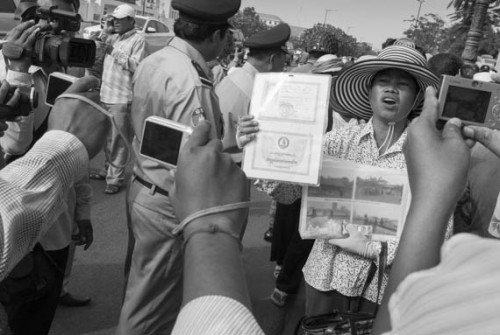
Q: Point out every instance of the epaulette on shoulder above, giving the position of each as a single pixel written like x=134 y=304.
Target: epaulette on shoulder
x=203 y=77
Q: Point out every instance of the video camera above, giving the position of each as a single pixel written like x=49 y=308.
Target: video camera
x=52 y=47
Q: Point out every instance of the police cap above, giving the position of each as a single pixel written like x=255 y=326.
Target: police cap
x=274 y=38
x=206 y=11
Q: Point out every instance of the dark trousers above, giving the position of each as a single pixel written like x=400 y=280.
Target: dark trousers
x=296 y=255
x=35 y=317
x=289 y=249
x=319 y=302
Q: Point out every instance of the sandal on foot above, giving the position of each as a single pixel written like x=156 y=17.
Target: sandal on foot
x=279 y=297
x=112 y=189
x=96 y=176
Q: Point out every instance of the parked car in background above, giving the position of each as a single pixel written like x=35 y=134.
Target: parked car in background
x=7 y=22
x=156 y=33
x=148 y=25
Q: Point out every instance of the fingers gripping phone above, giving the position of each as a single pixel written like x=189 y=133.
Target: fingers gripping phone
x=162 y=140
x=57 y=84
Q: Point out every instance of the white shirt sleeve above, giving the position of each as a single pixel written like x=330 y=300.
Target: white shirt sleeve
x=216 y=315
x=458 y=296
x=31 y=189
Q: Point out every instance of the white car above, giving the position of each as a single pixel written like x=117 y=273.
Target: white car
x=143 y=24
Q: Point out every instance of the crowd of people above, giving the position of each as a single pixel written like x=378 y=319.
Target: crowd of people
x=183 y=267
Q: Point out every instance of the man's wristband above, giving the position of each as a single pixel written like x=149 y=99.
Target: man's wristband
x=208 y=211
x=211 y=229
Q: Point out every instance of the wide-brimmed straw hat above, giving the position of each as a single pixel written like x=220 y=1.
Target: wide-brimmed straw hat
x=354 y=82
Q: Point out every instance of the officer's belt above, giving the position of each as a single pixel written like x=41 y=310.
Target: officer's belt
x=150 y=186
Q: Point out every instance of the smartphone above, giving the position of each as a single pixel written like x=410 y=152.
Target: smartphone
x=57 y=84
x=162 y=140
x=472 y=101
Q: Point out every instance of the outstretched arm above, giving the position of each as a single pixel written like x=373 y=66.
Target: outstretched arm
x=215 y=293
x=33 y=187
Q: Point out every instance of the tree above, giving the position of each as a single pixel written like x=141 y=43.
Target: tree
x=427 y=33
x=475 y=12
x=347 y=45
x=453 y=39
x=464 y=10
x=248 y=21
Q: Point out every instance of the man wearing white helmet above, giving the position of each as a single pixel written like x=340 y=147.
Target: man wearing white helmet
x=125 y=49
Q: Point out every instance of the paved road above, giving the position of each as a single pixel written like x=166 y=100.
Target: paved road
x=98 y=272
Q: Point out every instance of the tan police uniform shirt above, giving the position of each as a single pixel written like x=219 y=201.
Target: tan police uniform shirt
x=235 y=94
x=174 y=83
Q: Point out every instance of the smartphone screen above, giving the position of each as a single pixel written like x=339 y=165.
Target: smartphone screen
x=161 y=143
x=467 y=104
x=55 y=88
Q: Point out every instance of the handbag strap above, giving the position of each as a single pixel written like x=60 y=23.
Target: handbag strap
x=382 y=262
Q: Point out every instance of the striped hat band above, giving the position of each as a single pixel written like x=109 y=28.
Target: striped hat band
x=352 y=87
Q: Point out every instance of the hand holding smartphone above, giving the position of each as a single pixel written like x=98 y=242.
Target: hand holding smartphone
x=57 y=84
x=162 y=140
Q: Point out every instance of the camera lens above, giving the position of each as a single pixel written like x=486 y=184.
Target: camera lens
x=65 y=51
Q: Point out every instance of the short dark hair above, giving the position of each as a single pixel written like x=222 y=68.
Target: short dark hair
x=445 y=63
x=388 y=42
x=468 y=70
x=263 y=54
x=197 y=32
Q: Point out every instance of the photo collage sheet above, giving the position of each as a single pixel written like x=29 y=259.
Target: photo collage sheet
x=375 y=200
x=291 y=111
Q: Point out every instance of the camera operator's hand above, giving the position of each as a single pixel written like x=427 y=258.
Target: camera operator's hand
x=14 y=99
x=437 y=161
x=109 y=48
x=205 y=178
x=79 y=118
x=19 y=45
x=239 y=53
x=490 y=138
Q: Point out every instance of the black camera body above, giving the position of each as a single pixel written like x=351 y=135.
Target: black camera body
x=52 y=47
x=27 y=101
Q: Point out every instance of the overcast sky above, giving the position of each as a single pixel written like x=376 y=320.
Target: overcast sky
x=371 y=21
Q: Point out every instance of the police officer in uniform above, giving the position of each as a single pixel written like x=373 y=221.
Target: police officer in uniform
x=174 y=83
x=267 y=54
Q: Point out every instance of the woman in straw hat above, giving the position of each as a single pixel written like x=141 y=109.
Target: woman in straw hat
x=388 y=92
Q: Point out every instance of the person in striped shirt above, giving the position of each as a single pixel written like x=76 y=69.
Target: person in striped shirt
x=125 y=49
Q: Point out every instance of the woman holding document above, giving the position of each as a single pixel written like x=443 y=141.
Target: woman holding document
x=388 y=91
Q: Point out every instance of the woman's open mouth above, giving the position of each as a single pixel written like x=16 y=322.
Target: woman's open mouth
x=389 y=101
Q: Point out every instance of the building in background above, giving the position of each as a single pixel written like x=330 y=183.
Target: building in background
x=92 y=10
x=296 y=32
x=269 y=19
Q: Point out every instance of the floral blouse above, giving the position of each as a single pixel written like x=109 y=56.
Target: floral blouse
x=329 y=267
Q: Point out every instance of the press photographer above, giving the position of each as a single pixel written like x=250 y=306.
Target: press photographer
x=54 y=43
x=42 y=44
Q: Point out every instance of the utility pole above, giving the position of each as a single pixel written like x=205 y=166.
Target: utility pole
x=417 y=19
x=418 y=15
x=326 y=13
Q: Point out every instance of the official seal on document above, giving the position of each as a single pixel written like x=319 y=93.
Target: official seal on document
x=283 y=142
